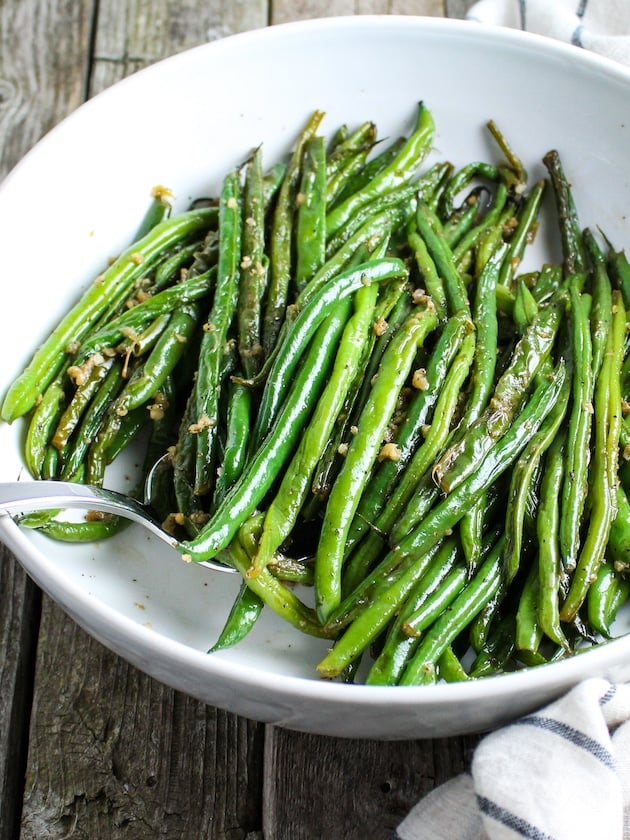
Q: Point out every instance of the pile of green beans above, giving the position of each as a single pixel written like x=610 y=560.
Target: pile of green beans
x=406 y=444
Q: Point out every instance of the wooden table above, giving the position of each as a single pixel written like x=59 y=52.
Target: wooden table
x=91 y=748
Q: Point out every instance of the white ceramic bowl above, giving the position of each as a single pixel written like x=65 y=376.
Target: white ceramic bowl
x=76 y=199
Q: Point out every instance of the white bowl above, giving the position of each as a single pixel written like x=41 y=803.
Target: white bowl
x=77 y=197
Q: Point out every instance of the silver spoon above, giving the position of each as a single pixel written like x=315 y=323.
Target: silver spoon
x=20 y=497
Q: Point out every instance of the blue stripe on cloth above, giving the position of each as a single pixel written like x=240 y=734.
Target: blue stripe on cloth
x=608 y=696
x=576 y=38
x=522 y=5
x=582 y=8
x=574 y=736
x=510 y=820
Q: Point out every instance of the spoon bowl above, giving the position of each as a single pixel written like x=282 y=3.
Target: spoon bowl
x=21 y=497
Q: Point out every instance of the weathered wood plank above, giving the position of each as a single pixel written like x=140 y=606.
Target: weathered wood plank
x=116 y=754
x=43 y=65
x=331 y=787
x=19 y=621
x=132 y=35
x=287 y=10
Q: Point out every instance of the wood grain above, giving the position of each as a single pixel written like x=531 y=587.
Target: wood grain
x=132 y=35
x=19 y=623
x=350 y=789
x=287 y=10
x=43 y=68
x=113 y=753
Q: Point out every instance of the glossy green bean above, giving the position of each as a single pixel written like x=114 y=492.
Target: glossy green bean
x=50 y=356
x=362 y=454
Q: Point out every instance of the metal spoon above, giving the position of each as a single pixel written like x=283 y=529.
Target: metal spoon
x=20 y=497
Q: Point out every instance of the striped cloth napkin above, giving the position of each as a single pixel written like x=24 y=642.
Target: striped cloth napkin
x=602 y=26
x=562 y=773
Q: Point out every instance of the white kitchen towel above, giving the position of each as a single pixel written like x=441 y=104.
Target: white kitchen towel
x=562 y=773
x=602 y=26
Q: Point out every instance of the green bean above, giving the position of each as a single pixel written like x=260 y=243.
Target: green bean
x=296 y=338
x=149 y=377
x=550 y=567
x=605 y=596
x=474 y=236
x=373 y=619
x=114 y=435
x=236 y=440
x=253 y=268
x=262 y=469
x=400 y=202
x=42 y=425
x=547 y=283
x=274 y=593
x=461 y=179
x=421 y=669
x=604 y=466
x=445 y=515
x=410 y=436
x=373 y=166
x=377 y=582
x=406 y=503
x=215 y=334
x=424 y=615
x=245 y=612
x=311 y=214
x=183 y=458
x=272 y=181
x=428 y=271
x=50 y=356
x=283 y=511
x=337 y=180
x=619 y=537
x=397 y=172
x=528 y=629
x=291 y=569
x=90 y=530
x=514 y=174
x=450 y=668
x=575 y=484
x=399 y=645
x=159 y=210
x=136 y=319
x=362 y=454
x=429 y=228
x=522 y=477
x=139 y=344
x=88 y=380
x=526 y=225
x=574 y=255
x=365 y=241
x=282 y=239
x=172 y=266
x=486 y=325
x=525 y=306
x=530 y=353
x=91 y=421
x=497 y=650
x=393 y=304
x=619 y=270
